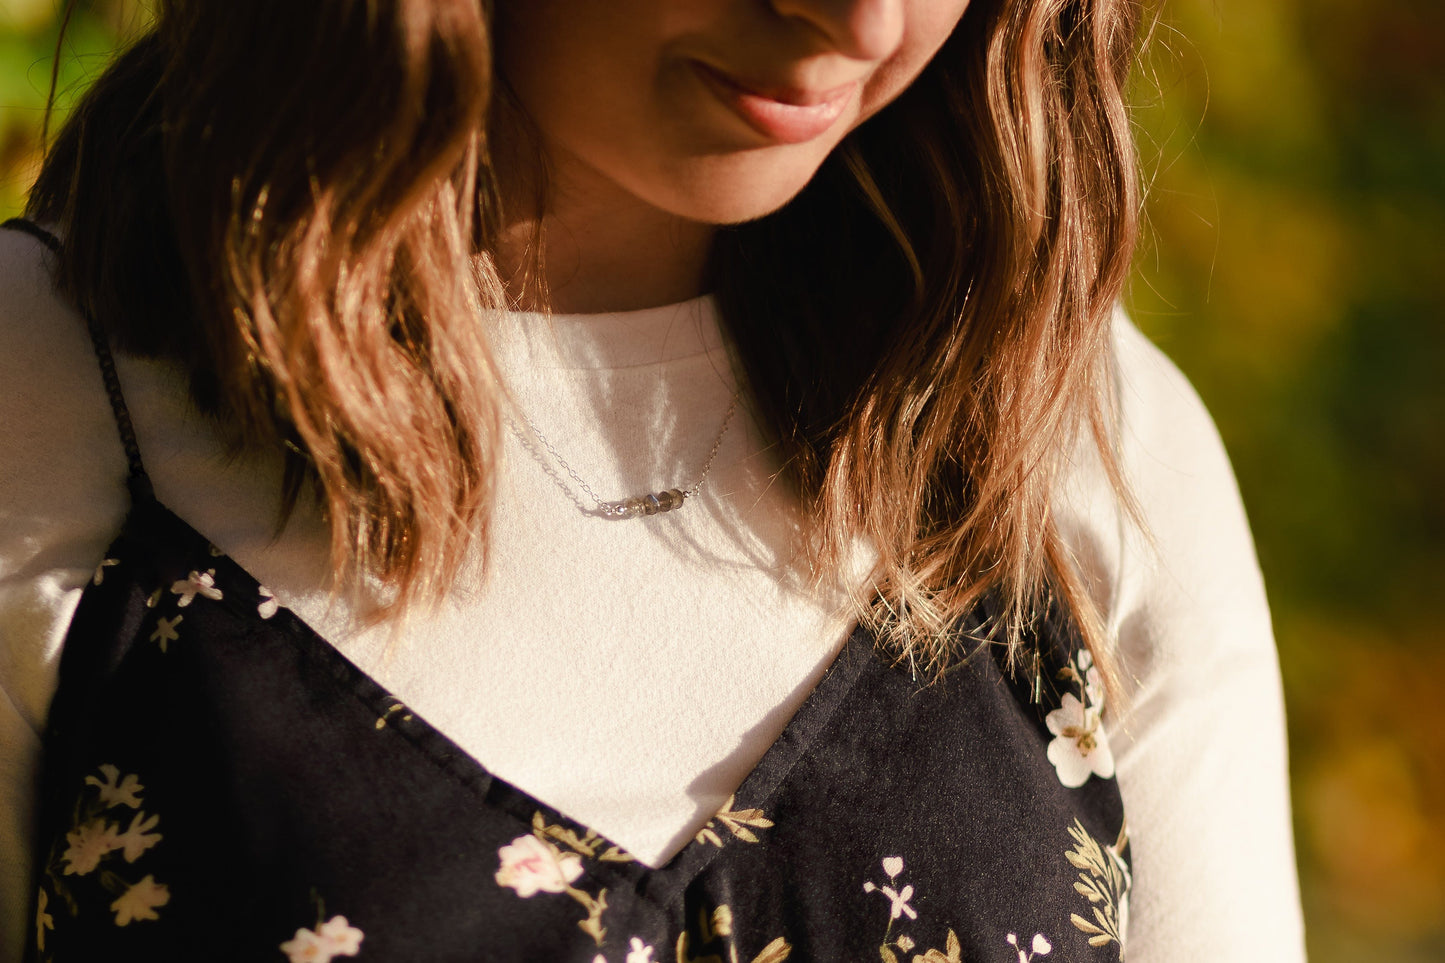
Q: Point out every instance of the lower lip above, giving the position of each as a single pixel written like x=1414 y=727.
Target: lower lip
x=778 y=121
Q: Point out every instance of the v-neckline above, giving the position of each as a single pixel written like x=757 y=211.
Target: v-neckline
x=660 y=883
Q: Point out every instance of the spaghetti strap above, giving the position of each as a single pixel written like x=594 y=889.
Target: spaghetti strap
x=139 y=483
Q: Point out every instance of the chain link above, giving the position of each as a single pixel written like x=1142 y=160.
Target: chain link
x=612 y=509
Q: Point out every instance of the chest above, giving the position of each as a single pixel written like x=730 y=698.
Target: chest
x=218 y=779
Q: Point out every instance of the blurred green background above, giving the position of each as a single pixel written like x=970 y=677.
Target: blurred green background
x=1294 y=266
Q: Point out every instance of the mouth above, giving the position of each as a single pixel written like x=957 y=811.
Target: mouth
x=785 y=115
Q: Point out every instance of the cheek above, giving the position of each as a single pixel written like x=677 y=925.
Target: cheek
x=579 y=67
x=929 y=25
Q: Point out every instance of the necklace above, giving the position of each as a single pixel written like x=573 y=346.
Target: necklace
x=653 y=503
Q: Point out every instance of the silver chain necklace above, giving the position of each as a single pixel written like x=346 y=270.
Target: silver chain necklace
x=653 y=503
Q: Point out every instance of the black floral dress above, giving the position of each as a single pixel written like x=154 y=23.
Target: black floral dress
x=219 y=783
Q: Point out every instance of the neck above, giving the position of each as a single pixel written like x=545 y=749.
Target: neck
x=601 y=248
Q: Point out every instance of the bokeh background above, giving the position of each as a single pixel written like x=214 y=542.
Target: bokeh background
x=1294 y=267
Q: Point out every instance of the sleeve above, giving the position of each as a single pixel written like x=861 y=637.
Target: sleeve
x=1199 y=735
x=60 y=503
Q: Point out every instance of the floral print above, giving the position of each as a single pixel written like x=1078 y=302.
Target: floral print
x=898 y=907
x=638 y=951
x=138 y=837
x=717 y=928
x=333 y=938
x=871 y=759
x=1104 y=880
x=531 y=865
x=43 y=920
x=165 y=631
x=99 y=575
x=117 y=791
x=268 y=606
x=1081 y=748
x=1039 y=947
x=89 y=844
x=735 y=822
x=898 y=898
x=197 y=583
x=139 y=901
x=96 y=850
x=952 y=952
x=395 y=707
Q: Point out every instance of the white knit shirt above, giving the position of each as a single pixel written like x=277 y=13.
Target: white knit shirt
x=630 y=673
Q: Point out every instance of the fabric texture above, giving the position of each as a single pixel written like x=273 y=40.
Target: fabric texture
x=271 y=787
x=624 y=740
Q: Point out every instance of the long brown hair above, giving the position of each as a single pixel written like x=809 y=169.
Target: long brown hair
x=297 y=202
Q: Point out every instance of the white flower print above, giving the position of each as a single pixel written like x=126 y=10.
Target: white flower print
x=138 y=836
x=530 y=865
x=99 y=575
x=88 y=843
x=893 y=865
x=1040 y=947
x=140 y=900
x=43 y=920
x=335 y=937
x=197 y=583
x=115 y=791
x=1081 y=748
x=268 y=605
x=166 y=630
x=639 y=952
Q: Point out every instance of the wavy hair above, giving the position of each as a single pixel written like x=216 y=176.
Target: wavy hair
x=297 y=202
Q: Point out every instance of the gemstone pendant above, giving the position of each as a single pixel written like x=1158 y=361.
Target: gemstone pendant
x=654 y=504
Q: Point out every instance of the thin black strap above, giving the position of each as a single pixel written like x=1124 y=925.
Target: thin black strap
x=139 y=483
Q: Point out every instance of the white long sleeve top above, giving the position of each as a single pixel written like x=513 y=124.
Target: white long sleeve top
x=628 y=616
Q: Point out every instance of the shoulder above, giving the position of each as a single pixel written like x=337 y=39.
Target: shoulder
x=1200 y=740
x=59 y=440
x=1171 y=579
x=62 y=472
x=52 y=401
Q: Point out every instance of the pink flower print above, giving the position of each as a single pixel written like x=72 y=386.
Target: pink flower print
x=139 y=901
x=304 y=947
x=115 y=791
x=531 y=865
x=639 y=952
x=335 y=937
x=341 y=937
x=197 y=583
x=88 y=844
x=899 y=899
x=1040 y=947
x=268 y=605
x=1081 y=748
x=138 y=836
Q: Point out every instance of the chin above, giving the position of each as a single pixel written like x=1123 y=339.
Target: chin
x=731 y=190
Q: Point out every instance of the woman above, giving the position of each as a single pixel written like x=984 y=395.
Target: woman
x=697 y=432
